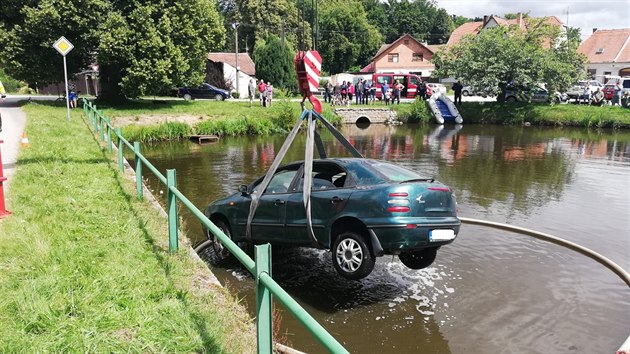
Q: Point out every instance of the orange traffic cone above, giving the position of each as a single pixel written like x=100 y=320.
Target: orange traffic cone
x=24 y=141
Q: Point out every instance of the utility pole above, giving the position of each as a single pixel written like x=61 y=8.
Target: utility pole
x=235 y=26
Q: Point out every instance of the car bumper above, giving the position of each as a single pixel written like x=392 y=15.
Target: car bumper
x=413 y=234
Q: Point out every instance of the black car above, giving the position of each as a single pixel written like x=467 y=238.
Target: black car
x=203 y=91
x=361 y=209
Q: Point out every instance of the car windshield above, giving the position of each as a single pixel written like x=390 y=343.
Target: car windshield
x=395 y=173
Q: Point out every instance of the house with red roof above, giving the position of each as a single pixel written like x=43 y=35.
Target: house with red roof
x=221 y=71
x=608 y=52
x=406 y=55
x=474 y=28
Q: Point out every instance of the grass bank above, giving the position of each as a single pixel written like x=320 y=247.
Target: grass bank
x=517 y=113
x=173 y=119
x=85 y=265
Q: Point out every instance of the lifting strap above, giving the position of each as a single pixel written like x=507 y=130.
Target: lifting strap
x=312 y=139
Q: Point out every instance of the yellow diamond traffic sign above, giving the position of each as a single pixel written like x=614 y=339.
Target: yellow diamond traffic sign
x=63 y=46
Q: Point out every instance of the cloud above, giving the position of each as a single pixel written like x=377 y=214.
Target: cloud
x=607 y=14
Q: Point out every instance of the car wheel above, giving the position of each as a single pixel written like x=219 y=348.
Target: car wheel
x=219 y=254
x=510 y=99
x=187 y=97
x=352 y=257
x=218 y=97
x=465 y=93
x=418 y=259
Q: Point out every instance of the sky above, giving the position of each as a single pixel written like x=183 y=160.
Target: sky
x=601 y=14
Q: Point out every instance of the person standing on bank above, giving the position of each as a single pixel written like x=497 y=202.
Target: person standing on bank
x=385 y=92
x=261 y=90
x=457 y=90
x=359 y=91
x=269 y=93
x=251 y=91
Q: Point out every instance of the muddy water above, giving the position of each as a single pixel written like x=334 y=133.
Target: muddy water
x=490 y=291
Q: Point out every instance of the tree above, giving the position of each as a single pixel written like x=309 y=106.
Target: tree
x=26 y=49
x=505 y=55
x=157 y=46
x=261 y=18
x=275 y=63
x=347 y=38
x=142 y=47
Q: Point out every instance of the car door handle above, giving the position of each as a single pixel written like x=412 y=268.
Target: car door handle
x=278 y=202
x=336 y=200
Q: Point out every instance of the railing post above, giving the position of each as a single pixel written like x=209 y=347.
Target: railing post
x=94 y=118
x=120 y=149
x=171 y=182
x=109 y=135
x=263 y=300
x=136 y=151
x=100 y=125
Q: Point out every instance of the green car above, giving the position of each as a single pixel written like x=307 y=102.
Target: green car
x=360 y=209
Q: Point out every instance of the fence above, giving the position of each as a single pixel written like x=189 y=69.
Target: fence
x=266 y=287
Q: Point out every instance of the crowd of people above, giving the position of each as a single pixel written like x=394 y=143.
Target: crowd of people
x=364 y=92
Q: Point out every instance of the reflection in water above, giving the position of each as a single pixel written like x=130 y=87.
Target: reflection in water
x=488 y=291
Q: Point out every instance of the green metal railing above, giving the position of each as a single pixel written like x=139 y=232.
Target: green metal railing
x=266 y=287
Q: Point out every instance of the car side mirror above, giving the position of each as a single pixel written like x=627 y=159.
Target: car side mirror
x=243 y=189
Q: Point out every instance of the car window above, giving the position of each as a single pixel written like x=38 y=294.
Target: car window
x=383 y=79
x=394 y=172
x=414 y=80
x=325 y=176
x=280 y=182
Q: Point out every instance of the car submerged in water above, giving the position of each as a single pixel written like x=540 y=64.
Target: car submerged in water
x=361 y=209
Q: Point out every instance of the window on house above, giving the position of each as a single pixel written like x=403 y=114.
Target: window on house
x=417 y=57
x=599 y=51
x=392 y=58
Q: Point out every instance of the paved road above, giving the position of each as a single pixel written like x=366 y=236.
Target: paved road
x=13 y=123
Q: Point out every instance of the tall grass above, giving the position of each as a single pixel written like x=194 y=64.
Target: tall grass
x=85 y=266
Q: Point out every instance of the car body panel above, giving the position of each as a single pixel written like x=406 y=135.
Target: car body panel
x=364 y=197
x=535 y=95
x=204 y=91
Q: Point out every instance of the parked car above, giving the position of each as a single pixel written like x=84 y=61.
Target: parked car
x=468 y=91
x=437 y=88
x=203 y=91
x=361 y=209
x=537 y=95
x=577 y=90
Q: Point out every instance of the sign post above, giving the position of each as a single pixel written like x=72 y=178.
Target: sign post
x=64 y=47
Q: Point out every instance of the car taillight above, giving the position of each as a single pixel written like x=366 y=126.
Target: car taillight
x=398 y=202
x=398 y=209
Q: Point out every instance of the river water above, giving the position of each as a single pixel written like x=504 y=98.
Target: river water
x=491 y=291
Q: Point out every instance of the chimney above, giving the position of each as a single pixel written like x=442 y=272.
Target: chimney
x=485 y=20
x=594 y=30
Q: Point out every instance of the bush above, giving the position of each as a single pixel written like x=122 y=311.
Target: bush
x=236 y=94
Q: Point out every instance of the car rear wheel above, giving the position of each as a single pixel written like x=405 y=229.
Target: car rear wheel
x=187 y=97
x=218 y=97
x=418 y=259
x=352 y=257
x=510 y=99
x=465 y=93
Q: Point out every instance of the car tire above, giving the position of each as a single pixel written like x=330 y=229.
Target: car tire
x=418 y=259
x=187 y=97
x=465 y=93
x=218 y=97
x=218 y=254
x=352 y=257
x=510 y=99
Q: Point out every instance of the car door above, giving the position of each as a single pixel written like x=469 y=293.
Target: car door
x=540 y=95
x=330 y=192
x=205 y=91
x=269 y=221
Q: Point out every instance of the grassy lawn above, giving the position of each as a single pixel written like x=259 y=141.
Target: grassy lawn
x=85 y=265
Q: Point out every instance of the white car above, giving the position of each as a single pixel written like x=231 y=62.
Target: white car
x=577 y=90
x=437 y=88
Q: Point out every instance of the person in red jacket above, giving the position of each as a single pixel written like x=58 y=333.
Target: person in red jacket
x=261 y=90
